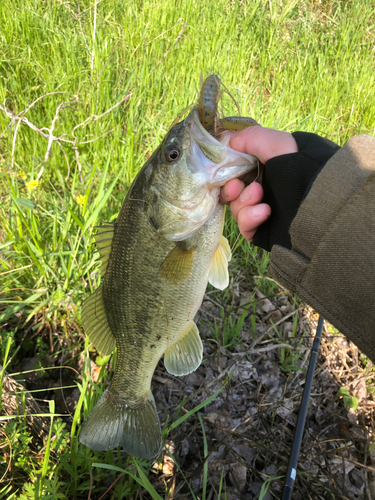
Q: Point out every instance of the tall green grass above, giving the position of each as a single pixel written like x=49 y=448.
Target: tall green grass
x=299 y=65
x=294 y=65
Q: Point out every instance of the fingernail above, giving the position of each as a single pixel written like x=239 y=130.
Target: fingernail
x=223 y=195
x=256 y=210
x=245 y=195
x=224 y=138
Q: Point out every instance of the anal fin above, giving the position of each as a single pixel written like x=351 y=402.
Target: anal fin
x=185 y=355
x=94 y=321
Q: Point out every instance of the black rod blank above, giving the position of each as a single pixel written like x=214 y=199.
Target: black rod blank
x=292 y=466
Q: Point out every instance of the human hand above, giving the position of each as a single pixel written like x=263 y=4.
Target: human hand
x=245 y=200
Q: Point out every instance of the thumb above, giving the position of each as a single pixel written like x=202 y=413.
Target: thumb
x=264 y=143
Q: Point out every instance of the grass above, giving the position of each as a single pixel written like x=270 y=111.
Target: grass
x=107 y=79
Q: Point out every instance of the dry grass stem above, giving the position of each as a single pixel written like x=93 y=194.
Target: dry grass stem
x=174 y=43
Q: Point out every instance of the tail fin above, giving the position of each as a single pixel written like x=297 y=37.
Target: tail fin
x=111 y=423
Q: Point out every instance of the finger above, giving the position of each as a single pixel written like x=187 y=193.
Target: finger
x=251 y=195
x=264 y=143
x=250 y=218
x=231 y=190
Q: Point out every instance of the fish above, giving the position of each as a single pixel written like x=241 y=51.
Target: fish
x=157 y=258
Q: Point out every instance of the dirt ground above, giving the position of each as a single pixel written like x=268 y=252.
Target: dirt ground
x=249 y=426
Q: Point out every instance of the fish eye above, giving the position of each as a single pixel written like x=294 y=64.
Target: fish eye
x=172 y=154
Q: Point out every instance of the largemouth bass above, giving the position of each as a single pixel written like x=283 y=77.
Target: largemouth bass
x=157 y=259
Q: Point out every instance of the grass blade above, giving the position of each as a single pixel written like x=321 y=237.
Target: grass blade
x=205 y=451
x=199 y=407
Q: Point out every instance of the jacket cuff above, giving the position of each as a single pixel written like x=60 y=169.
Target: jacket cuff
x=286 y=181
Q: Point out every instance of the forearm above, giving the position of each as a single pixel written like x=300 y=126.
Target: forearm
x=331 y=263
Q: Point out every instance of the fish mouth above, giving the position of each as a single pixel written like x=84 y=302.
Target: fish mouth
x=219 y=162
x=211 y=164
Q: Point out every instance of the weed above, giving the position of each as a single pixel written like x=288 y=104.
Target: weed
x=266 y=485
x=349 y=401
x=290 y=351
x=87 y=92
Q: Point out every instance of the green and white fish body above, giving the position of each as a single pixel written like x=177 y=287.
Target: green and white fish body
x=157 y=259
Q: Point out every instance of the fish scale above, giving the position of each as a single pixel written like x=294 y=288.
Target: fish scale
x=165 y=246
x=140 y=305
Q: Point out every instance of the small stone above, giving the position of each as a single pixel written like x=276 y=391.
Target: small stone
x=275 y=316
x=184 y=448
x=207 y=305
x=239 y=475
x=254 y=488
x=247 y=453
x=193 y=379
x=222 y=362
x=288 y=328
x=352 y=416
x=217 y=455
x=223 y=419
x=264 y=304
x=284 y=309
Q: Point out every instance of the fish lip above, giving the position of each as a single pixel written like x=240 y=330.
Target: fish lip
x=219 y=172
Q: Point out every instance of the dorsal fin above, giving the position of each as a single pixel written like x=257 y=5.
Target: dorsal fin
x=94 y=321
x=103 y=239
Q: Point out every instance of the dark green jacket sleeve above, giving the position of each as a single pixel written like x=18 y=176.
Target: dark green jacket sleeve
x=331 y=263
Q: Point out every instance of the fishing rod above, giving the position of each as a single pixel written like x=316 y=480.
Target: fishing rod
x=297 y=438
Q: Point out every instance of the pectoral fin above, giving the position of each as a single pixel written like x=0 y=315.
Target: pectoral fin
x=94 y=321
x=178 y=265
x=218 y=275
x=185 y=355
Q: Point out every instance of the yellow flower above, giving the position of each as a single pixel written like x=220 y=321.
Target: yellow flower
x=22 y=175
x=32 y=185
x=81 y=199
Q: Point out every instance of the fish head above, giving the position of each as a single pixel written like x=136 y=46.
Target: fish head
x=180 y=183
